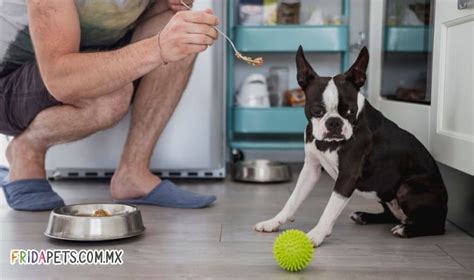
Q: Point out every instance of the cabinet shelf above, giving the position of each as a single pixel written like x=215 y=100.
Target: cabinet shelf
x=406 y=38
x=277 y=120
x=287 y=38
x=276 y=127
x=267 y=145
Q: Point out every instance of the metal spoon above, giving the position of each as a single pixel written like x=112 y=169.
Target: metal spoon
x=255 y=62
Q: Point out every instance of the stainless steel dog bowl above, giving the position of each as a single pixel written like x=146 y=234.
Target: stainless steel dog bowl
x=78 y=222
x=261 y=171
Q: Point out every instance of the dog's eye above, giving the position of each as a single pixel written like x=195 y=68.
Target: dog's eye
x=350 y=112
x=317 y=112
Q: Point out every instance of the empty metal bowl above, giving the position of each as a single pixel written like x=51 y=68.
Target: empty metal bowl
x=80 y=222
x=261 y=171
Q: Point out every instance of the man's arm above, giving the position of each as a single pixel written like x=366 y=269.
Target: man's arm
x=70 y=75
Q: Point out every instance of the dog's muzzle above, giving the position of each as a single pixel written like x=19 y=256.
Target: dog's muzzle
x=334 y=129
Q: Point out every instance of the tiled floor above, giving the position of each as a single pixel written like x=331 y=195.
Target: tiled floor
x=219 y=242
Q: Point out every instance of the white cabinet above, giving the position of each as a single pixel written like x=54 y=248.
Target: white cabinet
x=452 y=108
x=445 y=122
x=399 y=53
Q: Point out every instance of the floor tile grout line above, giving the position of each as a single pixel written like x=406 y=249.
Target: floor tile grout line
x=453 y=258
x=220 y=234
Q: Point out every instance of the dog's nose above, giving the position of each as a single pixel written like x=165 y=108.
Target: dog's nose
x=334 y=125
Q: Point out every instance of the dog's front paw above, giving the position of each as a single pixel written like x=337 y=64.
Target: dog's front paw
x=399 y=230
x=269 y=225
x=317 y=237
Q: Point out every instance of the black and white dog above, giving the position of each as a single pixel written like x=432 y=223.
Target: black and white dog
x=365 y=153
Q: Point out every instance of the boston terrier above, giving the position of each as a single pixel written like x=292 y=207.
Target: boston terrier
x=365 y=153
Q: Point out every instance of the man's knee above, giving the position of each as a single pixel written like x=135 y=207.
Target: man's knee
x=110 y=109
x=187 y=63
x=158 y=8
x=152 y=25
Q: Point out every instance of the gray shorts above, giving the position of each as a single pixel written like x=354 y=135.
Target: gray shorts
x=23 y=96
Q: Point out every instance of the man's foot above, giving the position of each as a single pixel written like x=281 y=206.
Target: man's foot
x=31 y=195
x=26 y=160
x=27 y=189
x=132 y=183
x=161 y=193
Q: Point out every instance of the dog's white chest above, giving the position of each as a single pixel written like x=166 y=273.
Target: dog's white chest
x=330 y=161
x=331 y=158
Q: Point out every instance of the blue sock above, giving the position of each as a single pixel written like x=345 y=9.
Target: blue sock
x=166 y=194
x=31 y=195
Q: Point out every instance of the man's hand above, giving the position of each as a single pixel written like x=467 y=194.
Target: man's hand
x=188 y=32
x=176 y=5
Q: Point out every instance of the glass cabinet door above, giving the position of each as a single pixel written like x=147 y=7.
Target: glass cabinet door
x=407 y=44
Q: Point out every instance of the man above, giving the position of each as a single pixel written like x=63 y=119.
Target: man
x=69 y=68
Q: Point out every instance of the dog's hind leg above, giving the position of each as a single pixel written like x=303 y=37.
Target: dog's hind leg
x=424 y=201
x=364 y=218
x=414 y=230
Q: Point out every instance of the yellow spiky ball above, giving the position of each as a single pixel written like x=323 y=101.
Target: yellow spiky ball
x=293 y=250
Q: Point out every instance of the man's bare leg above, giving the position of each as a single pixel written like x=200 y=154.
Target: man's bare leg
x=155 y=100
x=61 y=124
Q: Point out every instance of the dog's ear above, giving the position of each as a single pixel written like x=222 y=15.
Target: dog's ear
x=305 y=72
x=356 y=74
